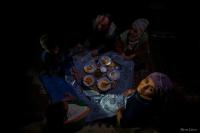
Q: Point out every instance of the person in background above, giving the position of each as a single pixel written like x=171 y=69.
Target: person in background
x=43 y=42
x=133 y=43
x=103 y=34
x=52 y=57
x=150 y=95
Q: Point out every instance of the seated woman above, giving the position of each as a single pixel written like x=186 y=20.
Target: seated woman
x=52 y=56
x=103 y=36
x=133 y=43
x=64 y=115
x=140 y=103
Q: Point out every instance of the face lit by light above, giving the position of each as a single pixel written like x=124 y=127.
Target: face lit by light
x=146 y=88
x=103 y=23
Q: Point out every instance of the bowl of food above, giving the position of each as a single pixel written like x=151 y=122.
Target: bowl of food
x=105 y=60
x=88 y=80
x=114 y=75
x=103 y=69
x=104 y=84
x=90 y=68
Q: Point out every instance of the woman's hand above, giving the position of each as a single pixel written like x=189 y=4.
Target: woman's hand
x=129 y=92
x=95 y=52
x=124 y=56
x=130 y=57
x=76 y=73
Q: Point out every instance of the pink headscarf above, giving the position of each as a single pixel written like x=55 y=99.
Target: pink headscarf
x=162 y=82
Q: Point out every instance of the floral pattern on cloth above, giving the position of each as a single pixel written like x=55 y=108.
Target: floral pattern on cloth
x=108 y=104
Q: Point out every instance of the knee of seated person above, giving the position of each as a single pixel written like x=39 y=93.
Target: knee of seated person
x=56 y=113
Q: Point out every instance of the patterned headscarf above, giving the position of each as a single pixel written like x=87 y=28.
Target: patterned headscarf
x=140 y=24
x=43 y=40
x=162 y=82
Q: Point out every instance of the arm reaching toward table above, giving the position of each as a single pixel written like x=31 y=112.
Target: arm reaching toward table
x=129 y=92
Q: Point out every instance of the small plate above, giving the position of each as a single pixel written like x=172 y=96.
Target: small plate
x=104 y=84
x=90 y=68
x=88 y=80
x=114 y=75
x=105 y=60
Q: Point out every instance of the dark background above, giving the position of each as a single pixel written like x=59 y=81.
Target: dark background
x=26 y=22
x=72 y=21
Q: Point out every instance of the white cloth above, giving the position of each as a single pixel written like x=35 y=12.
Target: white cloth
x=110 y=103
x=75 y=111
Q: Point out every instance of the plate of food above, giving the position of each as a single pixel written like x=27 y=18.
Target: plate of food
x=88 y=80
x=104 y=84
x=114 y=75
x=90 y=68
x=105 y=60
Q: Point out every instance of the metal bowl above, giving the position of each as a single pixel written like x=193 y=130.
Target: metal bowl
x=104 y=84
x=105 y=60
x=114 y=75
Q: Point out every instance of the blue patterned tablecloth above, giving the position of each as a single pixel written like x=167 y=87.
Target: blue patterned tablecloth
x=57 y=86
x=125 y=82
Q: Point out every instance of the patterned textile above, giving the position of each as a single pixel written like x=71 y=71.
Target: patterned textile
x=125 y=82
x=56 y=87
x=124 y=38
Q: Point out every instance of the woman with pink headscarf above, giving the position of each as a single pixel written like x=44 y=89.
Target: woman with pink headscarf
x=133 y=105
x=152 y=89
